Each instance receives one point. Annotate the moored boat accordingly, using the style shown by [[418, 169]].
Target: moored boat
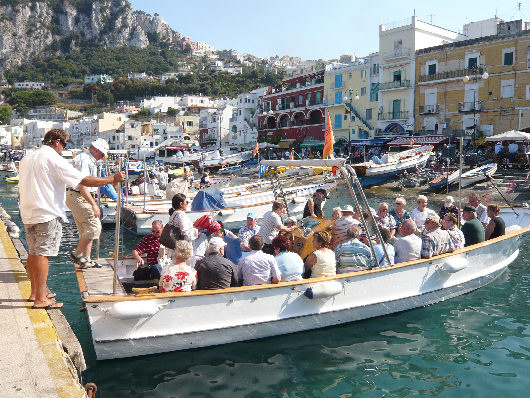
[[478, 174], [371, 173], [130, 324], [444, 179]]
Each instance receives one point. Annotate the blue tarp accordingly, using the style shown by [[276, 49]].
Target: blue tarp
[[205, 201], [250, 163], [233, 249], [108, 190]]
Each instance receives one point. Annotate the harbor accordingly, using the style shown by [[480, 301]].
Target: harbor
[[330, 344]]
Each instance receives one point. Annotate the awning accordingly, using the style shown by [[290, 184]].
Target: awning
[[422, 140], [312, 144], [287, 143], [374, 141]]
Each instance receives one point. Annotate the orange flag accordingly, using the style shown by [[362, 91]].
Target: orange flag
[[328, 139], [411, 141], [256, 148]]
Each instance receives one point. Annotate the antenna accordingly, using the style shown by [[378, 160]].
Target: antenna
[[431, 15]]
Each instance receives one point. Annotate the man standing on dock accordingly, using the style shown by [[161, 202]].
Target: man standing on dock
[[44, 176], [86, 211]]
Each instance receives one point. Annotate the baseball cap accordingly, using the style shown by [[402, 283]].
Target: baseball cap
[[347, 208], [468, 208], [449, 200], [323, 192], [216, 243], [252, 215], [101, 145]]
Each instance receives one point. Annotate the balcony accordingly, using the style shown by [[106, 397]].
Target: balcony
[[393, 115], [452, 74], [470, 107], [429, 109], [394, 84], [397, 53]]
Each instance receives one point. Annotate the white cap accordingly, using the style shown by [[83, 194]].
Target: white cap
[[347, 208], [449, 201], [101, 145], [215, 244]]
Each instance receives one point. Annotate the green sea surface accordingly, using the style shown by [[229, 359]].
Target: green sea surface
[[475, 345]]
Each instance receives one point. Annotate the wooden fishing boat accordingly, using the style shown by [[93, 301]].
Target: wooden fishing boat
[[478, 174], [441, 181], [371, 173], [125, 323]]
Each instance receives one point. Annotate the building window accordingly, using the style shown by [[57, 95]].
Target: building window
[[374, 92], [375, 69], [338, 97], [338, 121], [189, 123], [301, 99], [319, 97], [432, 67], [507, 56], [363, 90], [338, 81], [397, 76], [368, 114], [309, 99], [528, 91], [363, 73], [349, 75], [507, 88], [472, 62]]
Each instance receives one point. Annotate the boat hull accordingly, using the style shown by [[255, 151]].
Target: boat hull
[[272, 310]]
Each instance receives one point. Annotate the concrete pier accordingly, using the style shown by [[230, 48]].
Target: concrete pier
[[33, 361]]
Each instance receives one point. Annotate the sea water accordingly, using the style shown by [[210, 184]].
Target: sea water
[[475, 345]]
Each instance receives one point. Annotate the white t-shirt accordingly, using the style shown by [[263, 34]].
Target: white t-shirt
[[419, 217], [87, 165], [270, 226], [44, 176]]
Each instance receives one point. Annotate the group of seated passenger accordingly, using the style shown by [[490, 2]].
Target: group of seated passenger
[[392, 238]]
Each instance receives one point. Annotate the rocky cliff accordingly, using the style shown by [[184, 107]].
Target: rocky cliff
[[31, 28]]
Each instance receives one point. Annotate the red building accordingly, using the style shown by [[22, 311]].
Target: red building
[[294, 110]]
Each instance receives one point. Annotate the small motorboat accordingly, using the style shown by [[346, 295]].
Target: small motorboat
[[478, 174], [442, 180]]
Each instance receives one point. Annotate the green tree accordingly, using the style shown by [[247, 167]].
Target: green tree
[[171, 112], [5, 114]]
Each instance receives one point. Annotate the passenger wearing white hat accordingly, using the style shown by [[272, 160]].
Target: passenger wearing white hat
[[215, 271], [341, 226], [449, 206], [84, 209]]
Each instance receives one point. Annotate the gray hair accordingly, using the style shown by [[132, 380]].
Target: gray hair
[[158, 222], [409, 225], [354, 232], [183, 250], [422, 197], [401, 199]]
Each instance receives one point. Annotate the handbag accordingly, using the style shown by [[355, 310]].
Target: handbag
[[170, 235]]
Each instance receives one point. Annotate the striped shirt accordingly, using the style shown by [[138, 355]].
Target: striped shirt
[[270, 226], [257, 268], [341, 227], [353, 255], [435, 242]]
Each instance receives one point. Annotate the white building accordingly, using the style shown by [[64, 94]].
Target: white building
[[216, 125], [34, 131], [160, 104], [168, 131], [82, 132], [30, 85], [244, 120], [139, 76], [98, 79], [5, 136], [486, 27], [195, 103], [174, 75], [398, 42]]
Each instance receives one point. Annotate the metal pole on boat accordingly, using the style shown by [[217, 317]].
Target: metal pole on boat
[[145, 181], [460, 180], [117, 233], [126, 180], [99, 205]]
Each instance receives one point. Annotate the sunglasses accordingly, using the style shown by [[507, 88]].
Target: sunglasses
[[63, 142]]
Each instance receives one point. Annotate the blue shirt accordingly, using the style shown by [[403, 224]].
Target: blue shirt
[[291, 266], [257, 268], [380, 254]]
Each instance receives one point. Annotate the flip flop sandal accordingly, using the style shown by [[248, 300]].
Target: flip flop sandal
[[52, 306], [48, 296], [92, 264]]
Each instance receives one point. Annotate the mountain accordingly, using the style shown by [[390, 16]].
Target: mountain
[[54, 27]]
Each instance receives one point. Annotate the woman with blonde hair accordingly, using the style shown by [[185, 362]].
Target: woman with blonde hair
[[322, 261], [178, 276]]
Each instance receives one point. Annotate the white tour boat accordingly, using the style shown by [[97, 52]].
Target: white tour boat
[[126, 325]]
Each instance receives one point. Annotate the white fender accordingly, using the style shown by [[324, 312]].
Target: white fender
[[453, 265], [226, 212], [134, 309], [323, 290]]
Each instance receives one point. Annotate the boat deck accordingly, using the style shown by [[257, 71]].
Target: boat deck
[[98, 281]]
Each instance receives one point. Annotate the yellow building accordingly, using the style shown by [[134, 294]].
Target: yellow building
[[475, 87], [350, 97]]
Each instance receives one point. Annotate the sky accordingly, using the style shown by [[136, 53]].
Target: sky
[[313, 29]]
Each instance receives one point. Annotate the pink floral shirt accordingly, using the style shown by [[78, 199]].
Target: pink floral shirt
[[178, 278]]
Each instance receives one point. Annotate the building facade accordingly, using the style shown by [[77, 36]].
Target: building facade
[[475, 87], [351, 98], [398, 43], [244, 121], [294, 110]]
